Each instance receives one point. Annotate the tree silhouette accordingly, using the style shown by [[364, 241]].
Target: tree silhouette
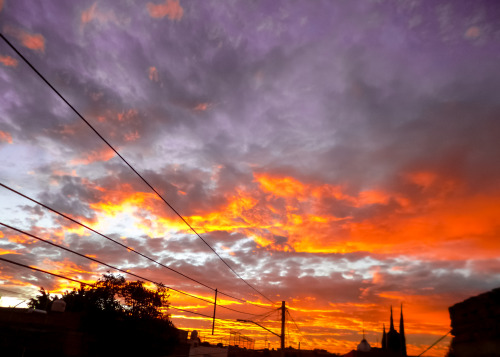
[[112, 295], [113, 309]]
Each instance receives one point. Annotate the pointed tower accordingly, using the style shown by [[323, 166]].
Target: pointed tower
[[393, 338], [402, 333], [384, 340], [392, 322]]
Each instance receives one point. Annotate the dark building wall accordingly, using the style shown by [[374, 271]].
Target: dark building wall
[[24, 332], [475, 325], [27, 333]]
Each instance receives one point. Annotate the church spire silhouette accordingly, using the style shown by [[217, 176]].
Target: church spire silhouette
[[384, 340], [402, 333], [392, 322], [393, 341]]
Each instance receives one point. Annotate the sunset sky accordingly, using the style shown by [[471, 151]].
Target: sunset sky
[[343, 156]]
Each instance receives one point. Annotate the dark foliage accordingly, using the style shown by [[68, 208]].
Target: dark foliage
[[113, 310], [112, 295]]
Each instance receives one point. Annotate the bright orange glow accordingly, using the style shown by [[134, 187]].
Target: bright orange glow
[[285, 207], [281, 186], [171, 8], [285, 214], [372, 197], [20, 238], [4, 251]]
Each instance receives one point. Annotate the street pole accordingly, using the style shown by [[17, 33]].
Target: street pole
[[215, 306], [282, 325]]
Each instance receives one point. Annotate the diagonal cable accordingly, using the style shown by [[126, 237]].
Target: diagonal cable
[[129, 165], [43, 271], [118, 269], [100, 262], [121, 244]]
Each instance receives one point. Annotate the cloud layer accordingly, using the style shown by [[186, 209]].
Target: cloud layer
[[340, 156]]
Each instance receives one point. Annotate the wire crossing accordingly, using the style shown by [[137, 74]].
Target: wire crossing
[[44, 271], [129, 165], [119, 269], [123, 245], [87, 284]]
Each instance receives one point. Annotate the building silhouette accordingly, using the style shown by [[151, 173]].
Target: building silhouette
[[393, 342], [475, 324]]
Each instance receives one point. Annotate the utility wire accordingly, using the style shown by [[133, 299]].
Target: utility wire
[[296, 326], [191, 312], [288, 312], [13, 292], [100, 262], [130, 166], [435, 343], [264, 315], [83, 283], [43, 271], [123, 245], [118, 269]]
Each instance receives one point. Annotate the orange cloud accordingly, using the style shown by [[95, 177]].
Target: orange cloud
[[281, 186], [20, 238], [34, 42], [8, 61], [104, 154], [4, 251], [373, 196], [171, 8], [124, 199], [5, 137], [283, 213]]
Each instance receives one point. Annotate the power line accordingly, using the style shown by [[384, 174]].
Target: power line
[[98, 261], [44, 271], [83, 283], [13, 292], [435, 343], [104, 236], [122, 245], [297, 327], [288, 312], [118, 269], [264, 315], [191, 312], [130, 166]]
